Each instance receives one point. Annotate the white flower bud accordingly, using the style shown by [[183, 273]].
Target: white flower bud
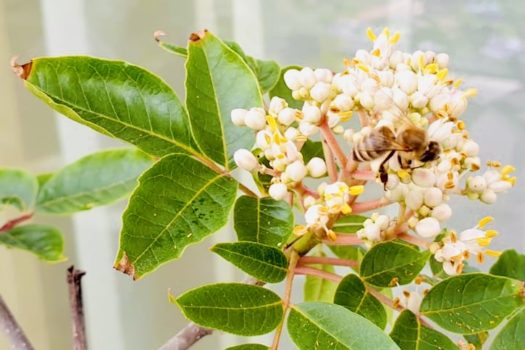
[[428, 227], [308, 201], [396, 58], [278, 191], [255, 119], [392, 182], [442, 212], [311, 114], [430, 56], [343, 102], [366, 100], [291, 133], [423, 177], [300, 94], [362, 55], [382, 221], [473, 163], [477, 183], [320, 91], [277, 104], [400, 99], [411, 301], [287, 116], [414, 199], [489, 197], [500, 186], [370, 85], [307, 77], [386, 77], [383, 99], [238, 115], [426, 83], [416, 57], [262, 139], [245, 160], [418, 100], [470, 148], [323, 74], [348, 135], [406, 81], [316, 167], [296, 171], [292, 78], [458, 105], [347, 86], [307, 129], [442, 59], [433, 197], [438, 102]]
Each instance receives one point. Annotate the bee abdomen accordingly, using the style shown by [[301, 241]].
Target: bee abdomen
[[364, 152]]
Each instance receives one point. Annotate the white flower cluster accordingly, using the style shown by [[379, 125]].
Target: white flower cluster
[[486, 187], [455, 249], [333, 201], [279, 143], [373, 227]]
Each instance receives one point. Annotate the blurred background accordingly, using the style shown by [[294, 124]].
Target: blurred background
[[483, 37]]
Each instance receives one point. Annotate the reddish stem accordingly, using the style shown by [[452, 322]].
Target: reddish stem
[[12, 223], [333, 144], [369, 205], [414, 240], [304, 190], [330, 162], [363, 118], [344, 239], [310, 271], [367, 175], [327, 261]]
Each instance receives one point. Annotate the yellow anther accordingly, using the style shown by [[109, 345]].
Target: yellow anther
[[271, 123], [484, 221], [442, 74], [370, 34], [323, 210], [421, 62], [493, 164], [491, 252], [484, 242], [346, 209], [299, 230], [267, 138], [347, 62], [280, 156], [431, 68], [331, 235], [386, 31], [328, 196], [471, 92], [357, 190], [376, 53], [507, 169], [363, 67], [491, 233], [395, 38], [345, 116], [480, 258], [460, 125], [403, 174], [457, 83], [512, 180]]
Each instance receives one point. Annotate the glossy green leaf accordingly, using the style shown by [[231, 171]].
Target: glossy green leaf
[[312, 149], [214, 73], [352, 294], [46, 242], [263, 262], [473, 302], [349, 223], [233, 307], [281, 90], [18, 188], [319, 289], [97, 179], [410, 334], [115, 98], [320, 326], [510, 264], [249, 347], [392, 261], [178, 202], [262, 220], [512, 335]]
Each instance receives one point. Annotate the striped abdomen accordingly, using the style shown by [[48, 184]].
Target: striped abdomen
[[374, 145]]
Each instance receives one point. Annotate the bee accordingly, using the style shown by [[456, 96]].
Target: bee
[[410, 142]]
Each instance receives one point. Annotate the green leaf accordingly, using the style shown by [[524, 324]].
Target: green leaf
[[262, 220], [97, 179], [233, 307], [352, 294], [410, 334], [18, 188], [249, 347], [178, 202], [512, 335], [281, 90], [115, 98], [319, 289], [472, 303], [477, 339], [217, 82], [349, 224], [46, 242], [312, 149], [263, 262], [319, 326], [392, 261], [510, 264]]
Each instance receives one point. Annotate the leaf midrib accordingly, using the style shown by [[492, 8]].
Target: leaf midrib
[[225, 308], [262, 262], [320, 327], [448, 310]]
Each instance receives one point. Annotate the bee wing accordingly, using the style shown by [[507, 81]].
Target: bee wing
[[398, 113], [379, 141]]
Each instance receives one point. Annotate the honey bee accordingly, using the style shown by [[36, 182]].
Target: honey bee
[[409, 142]]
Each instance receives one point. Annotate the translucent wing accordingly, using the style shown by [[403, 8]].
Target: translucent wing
[[392, 110]]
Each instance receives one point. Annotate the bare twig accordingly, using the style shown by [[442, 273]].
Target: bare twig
[[186, 337], [74, 277], [12, 330], [331, 141]]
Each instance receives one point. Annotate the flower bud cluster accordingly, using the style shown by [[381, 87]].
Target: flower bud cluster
[[486, 187], [454, 249], [374, 227]]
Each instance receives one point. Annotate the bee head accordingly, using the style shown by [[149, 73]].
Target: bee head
[[431, 153]]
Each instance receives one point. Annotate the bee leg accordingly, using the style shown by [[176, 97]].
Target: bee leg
[[383, 175]]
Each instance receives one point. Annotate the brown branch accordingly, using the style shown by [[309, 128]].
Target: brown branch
[[186, 337], [74, 277], [12, 330], [14, 222]]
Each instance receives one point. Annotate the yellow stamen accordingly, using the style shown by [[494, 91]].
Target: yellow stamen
[[331, 235], [480, 258], [421, 62], [395, 38], [432, 68], [494, 253], [299, 230], [271, 123], [460, 125], [512, 180], [471, 92], [484, 242], [491, 233], [347, 62], [484, 221], [346, 209], [403, 174], [370, 34], [507, 169], [386, 31], [457, 83], [442, 74], [493, 164], [357, 190], [376, 53], [363, 67]]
